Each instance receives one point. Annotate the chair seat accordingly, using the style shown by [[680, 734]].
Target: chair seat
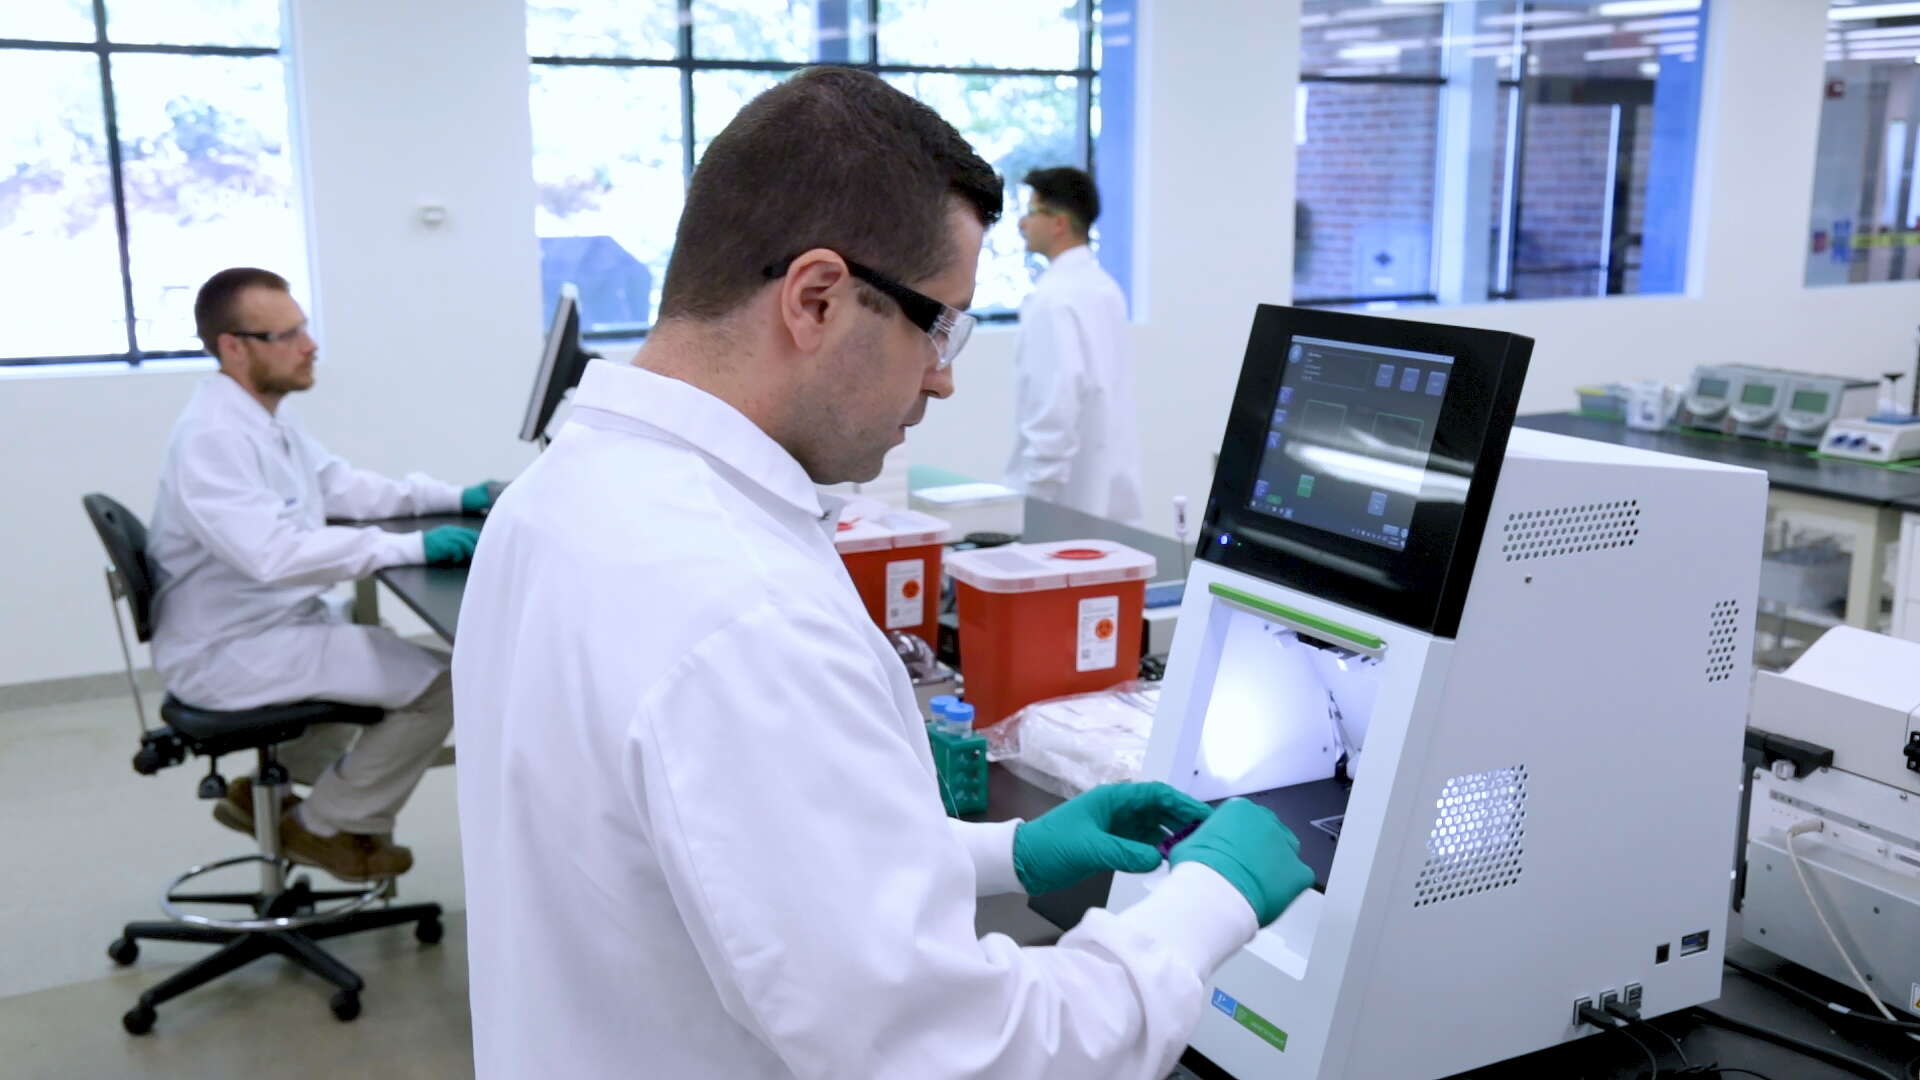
[[215, 732]]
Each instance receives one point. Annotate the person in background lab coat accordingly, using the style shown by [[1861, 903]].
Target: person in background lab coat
[[702, 830], [1076, 438], [243, 557]]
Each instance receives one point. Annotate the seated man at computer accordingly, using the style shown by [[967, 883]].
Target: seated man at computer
[[244, 558]]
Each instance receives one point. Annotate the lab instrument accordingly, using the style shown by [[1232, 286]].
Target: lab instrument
[[1833, 834], [1391, 637], [1883, 439]]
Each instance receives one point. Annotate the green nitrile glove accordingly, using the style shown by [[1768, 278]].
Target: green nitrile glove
[[480, 496], [1112, 827], [1257, 855], [450, 544]]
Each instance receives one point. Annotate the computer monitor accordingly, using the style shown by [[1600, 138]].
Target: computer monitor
[[562, 361]]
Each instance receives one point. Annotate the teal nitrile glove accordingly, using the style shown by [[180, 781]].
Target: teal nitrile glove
[[1112, 827], [480, 496], [1257, 855], [450, 544]]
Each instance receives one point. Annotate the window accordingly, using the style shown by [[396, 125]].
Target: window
[[1866, 194], [626, 96], [144, 147], [1461, 151]]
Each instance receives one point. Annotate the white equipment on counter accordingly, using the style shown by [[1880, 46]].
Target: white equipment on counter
[[1395, 600], [1815, 402], [1763, 393], [1710, 390], [1833, 851], [1652, 404], [1880, 439]]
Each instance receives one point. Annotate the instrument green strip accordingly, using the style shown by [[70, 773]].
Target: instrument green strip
[[1311, 622]]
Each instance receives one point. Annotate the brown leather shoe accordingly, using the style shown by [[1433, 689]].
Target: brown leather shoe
[[347, 856], [235, 809]]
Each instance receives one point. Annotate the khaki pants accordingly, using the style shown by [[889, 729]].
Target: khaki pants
[[363, 774]]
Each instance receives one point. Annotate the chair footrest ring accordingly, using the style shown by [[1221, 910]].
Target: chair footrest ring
[[378, 889]]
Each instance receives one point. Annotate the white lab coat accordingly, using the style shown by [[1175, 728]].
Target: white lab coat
[[243, 556], [1076, 428], [700, 819]]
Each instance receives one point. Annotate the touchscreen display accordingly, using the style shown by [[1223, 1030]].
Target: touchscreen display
[[1346, 450]]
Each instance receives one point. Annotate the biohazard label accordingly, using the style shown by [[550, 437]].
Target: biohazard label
[[906, 593], [1099, 634]]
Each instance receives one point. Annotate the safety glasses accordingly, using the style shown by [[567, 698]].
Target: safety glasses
[[948, 328]]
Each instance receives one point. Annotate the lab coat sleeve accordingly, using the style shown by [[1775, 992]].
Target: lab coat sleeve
[[990, 844], [359, 495], [806, 849], [227, 504], [1053, 371]]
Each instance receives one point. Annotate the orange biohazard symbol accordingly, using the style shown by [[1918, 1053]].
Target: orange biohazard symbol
[[910, 590], [1103, 629]]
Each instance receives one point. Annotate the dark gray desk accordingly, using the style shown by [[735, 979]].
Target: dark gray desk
[[433, 592], [1867, 499], [1049, 521]]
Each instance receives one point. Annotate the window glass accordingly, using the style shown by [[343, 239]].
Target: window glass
[[606, 208], [60, 278], [194, 22], [209, 181], [1557, 135], [1866, 183], [981, 33]]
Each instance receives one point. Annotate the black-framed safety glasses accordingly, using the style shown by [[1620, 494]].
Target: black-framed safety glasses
[[948, 328], [274, 337]]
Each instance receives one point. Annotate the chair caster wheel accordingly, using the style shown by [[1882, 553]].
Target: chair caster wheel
[[429, 931], [124, 951], [345, 1005], [138, 1021]]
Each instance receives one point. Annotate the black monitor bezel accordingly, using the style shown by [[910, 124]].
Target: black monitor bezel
[[1425, 585], [562, 363]]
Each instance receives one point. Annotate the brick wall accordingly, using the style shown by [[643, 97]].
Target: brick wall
[[1367, 165], [1366, 171]]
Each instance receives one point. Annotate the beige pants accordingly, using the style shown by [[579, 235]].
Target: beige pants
[[363, 774]]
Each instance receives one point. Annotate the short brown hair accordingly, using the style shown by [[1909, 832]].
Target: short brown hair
[[832, 158], [213, 308]]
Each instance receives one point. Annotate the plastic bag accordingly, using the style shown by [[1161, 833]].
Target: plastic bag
[[1070, 744]]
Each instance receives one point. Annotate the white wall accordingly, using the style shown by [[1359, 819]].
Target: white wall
[[429, 334]]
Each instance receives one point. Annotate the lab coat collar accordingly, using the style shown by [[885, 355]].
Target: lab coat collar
[[1071, 259], [708, 424], [233, 399]]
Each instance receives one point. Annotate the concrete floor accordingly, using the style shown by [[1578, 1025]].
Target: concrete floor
[[91, 845]]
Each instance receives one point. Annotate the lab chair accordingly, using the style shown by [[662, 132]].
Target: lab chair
[[288, 919]]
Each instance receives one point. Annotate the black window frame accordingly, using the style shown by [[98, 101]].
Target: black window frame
[[684, 62], [105, 49]]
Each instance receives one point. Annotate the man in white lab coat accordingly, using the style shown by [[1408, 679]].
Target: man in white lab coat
[[244, 558], [1076, 439], [702, 830]]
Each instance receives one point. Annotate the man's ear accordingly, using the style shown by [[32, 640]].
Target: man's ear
[[814, 293]]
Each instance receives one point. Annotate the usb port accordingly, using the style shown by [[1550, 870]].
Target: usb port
[[1693, 943]]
